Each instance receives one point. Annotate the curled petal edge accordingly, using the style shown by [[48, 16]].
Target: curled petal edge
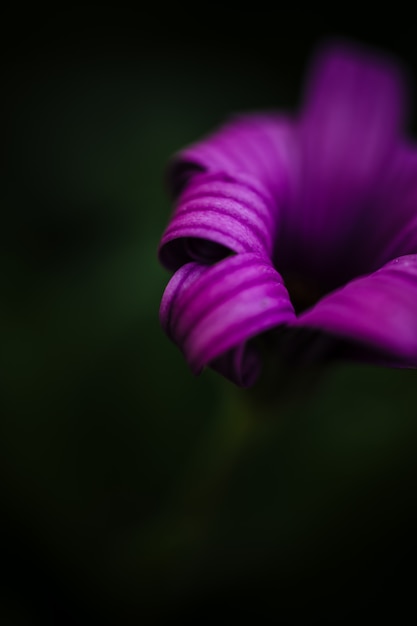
[[211, 312]]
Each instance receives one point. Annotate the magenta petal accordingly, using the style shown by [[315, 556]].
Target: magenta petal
[[210, 312], [216, 216], [350, 127], [260, 145], [241, 365], [378, 310], [232, 190], [394, 231]]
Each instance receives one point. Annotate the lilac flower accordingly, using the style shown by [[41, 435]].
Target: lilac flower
[[299, 221]]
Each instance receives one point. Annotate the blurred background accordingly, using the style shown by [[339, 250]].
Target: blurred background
[[130, 491]]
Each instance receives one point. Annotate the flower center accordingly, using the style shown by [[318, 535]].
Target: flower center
[[303, 293]]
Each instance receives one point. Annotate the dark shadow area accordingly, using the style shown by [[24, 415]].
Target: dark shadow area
[[130, 491]]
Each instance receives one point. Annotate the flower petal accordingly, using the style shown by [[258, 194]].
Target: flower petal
[[232, 189], [378, 311], [350, 125], [210, 312], [395, 218]]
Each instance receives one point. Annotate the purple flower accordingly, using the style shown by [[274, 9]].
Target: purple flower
[[299, 221]]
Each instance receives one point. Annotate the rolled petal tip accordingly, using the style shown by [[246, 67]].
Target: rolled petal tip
[[211, 311]]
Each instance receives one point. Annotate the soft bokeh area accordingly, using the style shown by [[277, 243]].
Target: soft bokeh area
[[131, 491]]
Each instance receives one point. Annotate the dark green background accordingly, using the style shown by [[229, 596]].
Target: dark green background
[[132, 492]]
